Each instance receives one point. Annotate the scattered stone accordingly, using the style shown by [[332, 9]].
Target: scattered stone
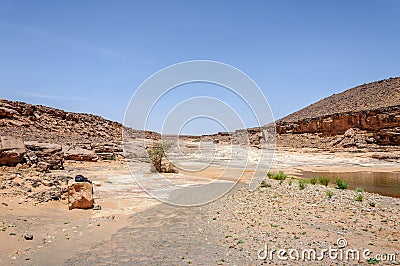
[[28, 236], [80, 196], [43, 166], [26, 189], [97, 207]]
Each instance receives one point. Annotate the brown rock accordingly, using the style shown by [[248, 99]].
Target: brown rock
[[79, 154], [7, 112], [80, 196], [12, 150], [51, 154]]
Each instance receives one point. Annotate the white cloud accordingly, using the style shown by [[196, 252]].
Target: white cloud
[[44, 96]]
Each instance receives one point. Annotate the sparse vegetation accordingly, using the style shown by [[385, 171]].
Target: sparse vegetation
[[264, 184], [372, 204], [359, 197], [329, 194], [341, 184], [302, 184], [324, 180], [277, 176], [157, 153], [313, 180], [112, 157], [372, 261], [359, 189]]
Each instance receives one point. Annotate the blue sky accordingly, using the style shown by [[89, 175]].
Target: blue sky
[[90, 56]]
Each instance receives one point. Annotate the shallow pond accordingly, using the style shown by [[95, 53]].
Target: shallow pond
[[383, 183]]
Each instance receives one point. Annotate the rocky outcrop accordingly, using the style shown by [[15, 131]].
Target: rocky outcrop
[[79, 154], [50, 125], [389, 136], [12, 150], [370, 111], [373, 120], [46, 155], [7, 112], [80, 195]]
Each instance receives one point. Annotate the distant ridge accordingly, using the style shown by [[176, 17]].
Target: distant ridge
[[374, 95]]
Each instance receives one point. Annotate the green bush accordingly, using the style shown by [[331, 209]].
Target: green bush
[[372, 204], [359, 197], [359, 189], [341, 184], [324, 180], [329, 194], [277, 176], [302, 185], [313, 180]]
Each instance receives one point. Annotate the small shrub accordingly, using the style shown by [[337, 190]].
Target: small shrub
[[329, 194], [277, 176], [324, 181], [290, 181], [112, 157], [372, 261], [313, 180], [302, 185], [359, 189], [341, 184], [372, 204], [157, 153], [265, 184], [359, 197]]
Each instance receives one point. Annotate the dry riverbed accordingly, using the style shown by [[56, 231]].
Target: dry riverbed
[[133, 227]]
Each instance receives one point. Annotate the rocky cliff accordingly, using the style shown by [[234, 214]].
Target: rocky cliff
[[371, 111]]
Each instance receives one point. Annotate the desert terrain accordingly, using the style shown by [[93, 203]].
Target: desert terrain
[[43, 149]]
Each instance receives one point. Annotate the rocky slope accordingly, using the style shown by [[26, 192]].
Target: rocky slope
[[36, 141], [38, 134], [371, 96], [364, 116]]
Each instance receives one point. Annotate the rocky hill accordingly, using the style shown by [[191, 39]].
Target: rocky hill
[[371, 96], [36, 134], [363, 116]]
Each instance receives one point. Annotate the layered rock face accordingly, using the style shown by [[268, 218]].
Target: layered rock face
[[364, 116], [382, 122], [372, 109]]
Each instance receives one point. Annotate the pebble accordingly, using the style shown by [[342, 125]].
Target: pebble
[[28, 236]]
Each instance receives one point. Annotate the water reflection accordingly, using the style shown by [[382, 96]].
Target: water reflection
[[383, 183]]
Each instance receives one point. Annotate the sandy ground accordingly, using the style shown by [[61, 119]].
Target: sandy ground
[[134, 227]]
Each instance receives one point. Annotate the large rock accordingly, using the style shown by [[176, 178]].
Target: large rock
[[79, 154], [12, 150], [80, 195], [7, 112], [51, 154], [389, 136]]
